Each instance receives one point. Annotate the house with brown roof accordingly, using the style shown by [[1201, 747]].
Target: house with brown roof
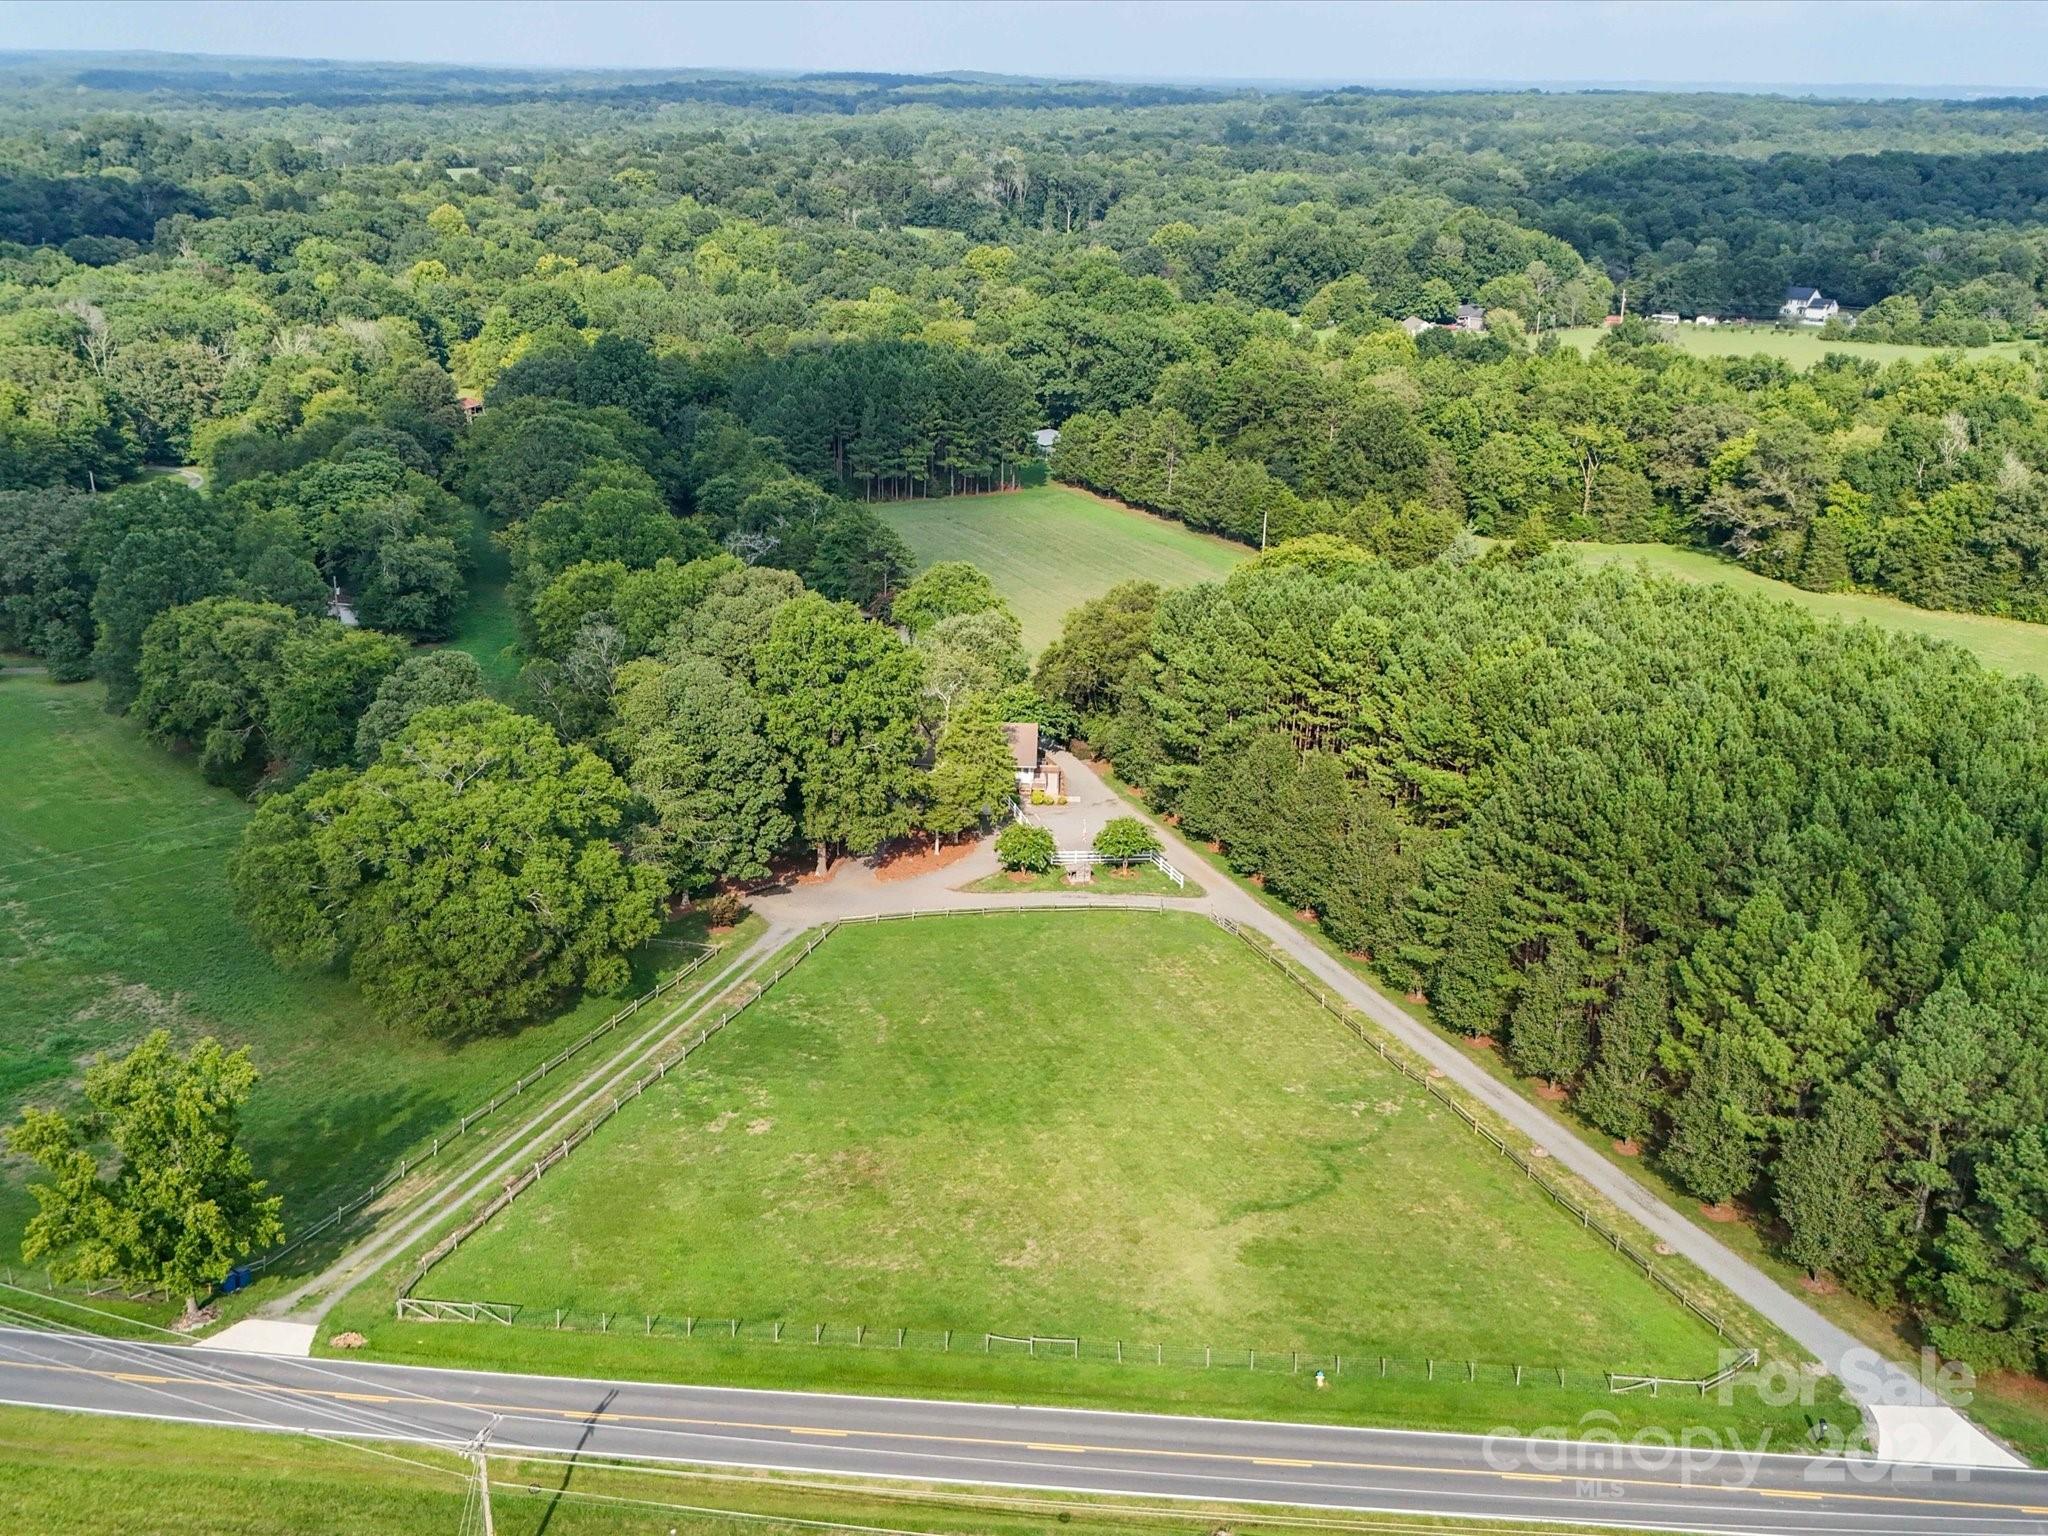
[[1034, 773]]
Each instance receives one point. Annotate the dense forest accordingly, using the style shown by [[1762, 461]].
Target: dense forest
[[888, 284], [1765, 898]]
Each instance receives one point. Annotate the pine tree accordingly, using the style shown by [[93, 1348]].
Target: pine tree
[[1620, 1093], [1306, 831], [1548, 1036], [1472, 980], [1824, 563], [1823, 1181], [1716, 1136]]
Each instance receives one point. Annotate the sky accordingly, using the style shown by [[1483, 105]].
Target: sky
[[1917, 45]]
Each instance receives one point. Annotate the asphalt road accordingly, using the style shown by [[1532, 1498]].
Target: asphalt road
[[1152, 1456]]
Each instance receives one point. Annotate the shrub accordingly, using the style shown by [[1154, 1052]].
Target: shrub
[[1125, 838], [725, 909], [1022, 846]]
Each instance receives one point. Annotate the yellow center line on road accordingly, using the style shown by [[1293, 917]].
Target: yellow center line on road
[[592, 1415]]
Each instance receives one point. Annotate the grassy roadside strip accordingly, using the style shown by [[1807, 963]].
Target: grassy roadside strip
[[2015, 1409], [77, 1475]]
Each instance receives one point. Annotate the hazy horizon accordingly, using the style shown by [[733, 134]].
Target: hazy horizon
[[1851, 47]]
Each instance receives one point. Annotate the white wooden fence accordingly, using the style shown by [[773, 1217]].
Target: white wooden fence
[[1086, 857]]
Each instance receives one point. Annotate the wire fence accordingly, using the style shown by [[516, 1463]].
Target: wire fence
[[411, 1164], [1337, 1365], [1370, 1037], [100, 1290]]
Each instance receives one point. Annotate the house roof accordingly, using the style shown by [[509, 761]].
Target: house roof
[[1798, 295], [1023, 738], [1471, 311], [1045, 437], [1415, 325]]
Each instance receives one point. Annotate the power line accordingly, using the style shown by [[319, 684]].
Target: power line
[[395, 1430]]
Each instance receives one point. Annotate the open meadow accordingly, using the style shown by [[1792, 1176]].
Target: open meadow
[[1051, 547], [1801, 348], [2003, 645], [1078, 1124], [115, 919]]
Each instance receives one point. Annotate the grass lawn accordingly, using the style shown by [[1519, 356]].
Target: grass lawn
[[485, 625], [1141, 880], [1100, 1124], [1052, 547], [2004, 645], [76, 1475], [1802, 348], [114, 918]]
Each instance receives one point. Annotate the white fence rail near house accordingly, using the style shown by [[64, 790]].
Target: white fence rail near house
[[1089, 856]]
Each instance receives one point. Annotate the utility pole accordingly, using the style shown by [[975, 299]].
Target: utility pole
[[479, 1456]]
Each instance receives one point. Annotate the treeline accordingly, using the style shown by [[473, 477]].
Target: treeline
[[893, 418], [1920, 480], [1707, 232], [1766, 897]]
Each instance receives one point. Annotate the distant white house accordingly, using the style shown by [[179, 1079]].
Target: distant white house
[[1471, 317], [1415, 325], [1047, 438], [1808, 306], [1667, 317], [1704, 320], [342, 608]]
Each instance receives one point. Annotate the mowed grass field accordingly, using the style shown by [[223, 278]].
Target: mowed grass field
[[1050, 548], [115, 919], [1110, 1125], [1801, 348], [2004, 645]]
